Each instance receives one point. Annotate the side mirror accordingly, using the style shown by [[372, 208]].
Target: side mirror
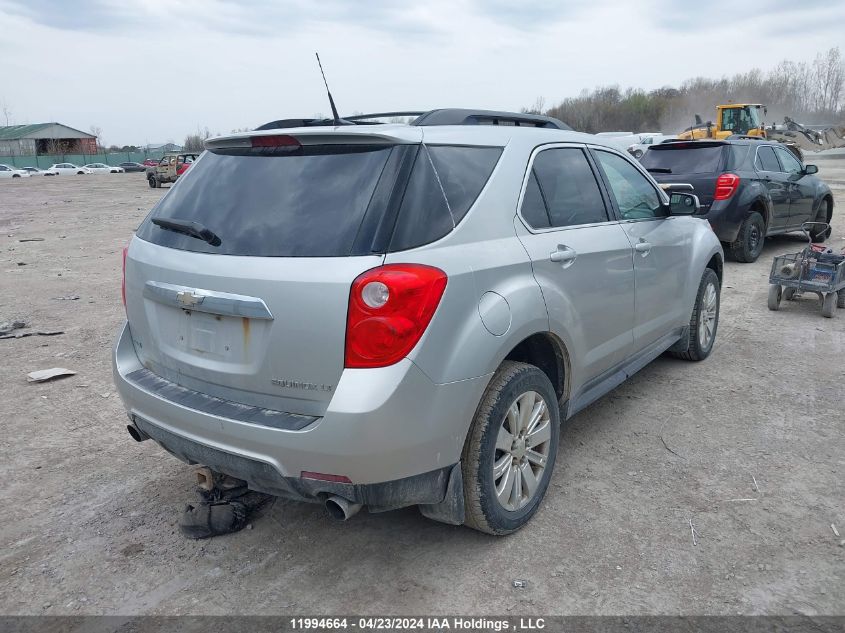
[[683, 203], [810, 169]]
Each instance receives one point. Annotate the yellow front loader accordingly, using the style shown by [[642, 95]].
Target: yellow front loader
[[733, 118]]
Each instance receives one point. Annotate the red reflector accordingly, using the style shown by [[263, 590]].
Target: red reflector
[[123, 282], [726, 186], [341, 479], [276, 140], [390, 308]]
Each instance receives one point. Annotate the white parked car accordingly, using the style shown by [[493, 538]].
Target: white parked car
[[12, 172], [102, 168], [64, 169], [647, 140], [34, 171]]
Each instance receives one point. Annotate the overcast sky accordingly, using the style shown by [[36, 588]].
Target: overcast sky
[[154, 70]]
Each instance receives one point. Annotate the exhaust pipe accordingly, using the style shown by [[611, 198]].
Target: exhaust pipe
[[137, 434], [341, 509]]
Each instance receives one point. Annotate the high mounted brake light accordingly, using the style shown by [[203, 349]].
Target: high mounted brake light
[[726, 186], [390, 308], [280, 140]]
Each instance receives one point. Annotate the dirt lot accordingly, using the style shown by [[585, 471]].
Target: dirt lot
[[89, 516]]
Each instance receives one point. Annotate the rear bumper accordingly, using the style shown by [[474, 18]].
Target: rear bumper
[[382, 425], [726, 216]]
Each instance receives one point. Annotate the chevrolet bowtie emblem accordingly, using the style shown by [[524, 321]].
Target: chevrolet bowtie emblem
[[188, 299]]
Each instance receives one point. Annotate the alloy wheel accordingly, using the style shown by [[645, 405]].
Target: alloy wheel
[[522, 451]]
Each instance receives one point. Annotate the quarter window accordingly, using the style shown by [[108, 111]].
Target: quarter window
[[562, 191], [635, 196]]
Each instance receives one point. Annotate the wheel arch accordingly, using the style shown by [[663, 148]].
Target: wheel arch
[[548, 353]]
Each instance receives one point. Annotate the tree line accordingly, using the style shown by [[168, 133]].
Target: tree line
[[811, 93]]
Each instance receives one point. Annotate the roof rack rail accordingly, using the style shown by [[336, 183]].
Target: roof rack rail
[[463, 116], [744, 137], [380, 115], [443, 116]]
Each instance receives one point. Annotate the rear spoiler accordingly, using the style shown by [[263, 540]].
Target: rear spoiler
[[352, 135]]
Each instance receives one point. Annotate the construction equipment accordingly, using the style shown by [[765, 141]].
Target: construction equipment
[[743, 119]]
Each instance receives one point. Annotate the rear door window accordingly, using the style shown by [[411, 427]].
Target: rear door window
[[766, 160], [683, 160], [307, 204], [567, 187]]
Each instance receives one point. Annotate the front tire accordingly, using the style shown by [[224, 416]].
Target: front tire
[[829, 304], [152, 182], [510, 450], [749, 242], [775, 296], [638, 154], [704, 320]]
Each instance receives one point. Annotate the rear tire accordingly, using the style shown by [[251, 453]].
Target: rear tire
[[704, 320], [775, 295], [510, 450], [788, 294], [829, 305], [823, 215], [840, 302], [750, 239]]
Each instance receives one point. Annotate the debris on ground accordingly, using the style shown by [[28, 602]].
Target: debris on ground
[[43, 375], [38, 333], [694, 532], [225, 506], [67, 298], [835, 531], [520, 584], [32, 239], [8, 326]]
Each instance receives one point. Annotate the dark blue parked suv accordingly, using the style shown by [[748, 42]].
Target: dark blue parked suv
[[748, 189]]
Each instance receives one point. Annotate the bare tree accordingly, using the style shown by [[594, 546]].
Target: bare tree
[[196, 142], [7, 111]]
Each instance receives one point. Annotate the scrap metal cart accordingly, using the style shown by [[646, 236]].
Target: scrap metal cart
[[813, 269]]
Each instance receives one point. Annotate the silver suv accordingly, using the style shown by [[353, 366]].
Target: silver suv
[[389, 315]]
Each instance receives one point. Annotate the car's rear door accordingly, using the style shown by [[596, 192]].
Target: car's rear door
[[257, 313], [581, 258], [661, 243], [769, 170]]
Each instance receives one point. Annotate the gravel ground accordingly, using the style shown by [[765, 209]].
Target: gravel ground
[[90, 517]]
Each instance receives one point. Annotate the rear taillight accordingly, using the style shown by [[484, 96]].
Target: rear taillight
[[389, 309], [726, 186], [123, 281]]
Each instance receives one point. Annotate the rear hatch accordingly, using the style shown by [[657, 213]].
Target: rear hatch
[[237, 284], [697, 163]]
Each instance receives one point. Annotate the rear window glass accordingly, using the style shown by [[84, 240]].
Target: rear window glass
[[273, 205], [688, 160], [444, 184]]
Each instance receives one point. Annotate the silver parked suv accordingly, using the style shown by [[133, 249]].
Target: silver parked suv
[[388, 315]]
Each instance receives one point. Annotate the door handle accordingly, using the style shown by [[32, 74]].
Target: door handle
[[563, 255], [643, 247]]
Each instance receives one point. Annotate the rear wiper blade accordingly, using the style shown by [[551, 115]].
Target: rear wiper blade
[[659, 170], [187, 227]]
